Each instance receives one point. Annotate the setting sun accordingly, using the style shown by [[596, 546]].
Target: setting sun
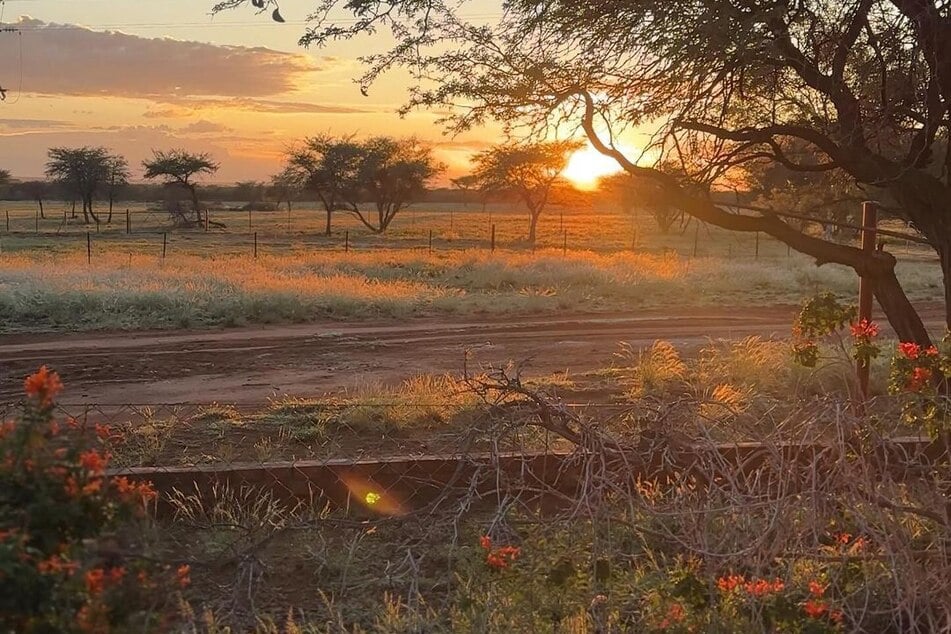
[[586, 166]]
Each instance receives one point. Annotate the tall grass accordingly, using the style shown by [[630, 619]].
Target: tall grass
[[118, 290]]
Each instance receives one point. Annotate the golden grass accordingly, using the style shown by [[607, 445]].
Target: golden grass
[[61, 291]]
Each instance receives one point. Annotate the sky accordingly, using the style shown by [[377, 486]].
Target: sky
[[135, 76]]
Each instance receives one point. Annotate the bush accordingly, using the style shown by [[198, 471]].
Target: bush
[[64, 564]]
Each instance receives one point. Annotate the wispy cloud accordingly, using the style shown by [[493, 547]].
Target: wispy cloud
[[74, 60]]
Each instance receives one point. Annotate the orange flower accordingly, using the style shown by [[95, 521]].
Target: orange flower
[[730, 583], [500, 558], [43, 385], [93, 461], [486, 542], [931, 352], [104, 432], [184, 580], [816, 589], [116, 574], [843, 538], [815, 609], [95, 580], [762, 587]]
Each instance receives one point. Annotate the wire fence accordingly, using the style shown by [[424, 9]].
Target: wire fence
[[507, 509], [149, 231]]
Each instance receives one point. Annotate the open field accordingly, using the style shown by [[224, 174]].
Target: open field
[[49, 282]]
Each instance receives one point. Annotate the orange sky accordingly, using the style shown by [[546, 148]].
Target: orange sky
[[134, 75]]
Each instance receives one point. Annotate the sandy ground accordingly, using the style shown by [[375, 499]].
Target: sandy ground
[[249, 365]]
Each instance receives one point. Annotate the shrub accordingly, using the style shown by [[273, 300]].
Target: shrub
[[63, 562]]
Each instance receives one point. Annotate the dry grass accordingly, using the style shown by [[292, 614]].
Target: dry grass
[[62, 292]]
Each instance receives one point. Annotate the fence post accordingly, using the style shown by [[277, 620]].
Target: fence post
[[493, 238], [255, 245], [430, 241], [8, 220], [564, 244], [207, 218], [164, 244], [36, 220], [128, 222], [869, 226], [250, 228], [756, 253], [346, 241], [88, 248]]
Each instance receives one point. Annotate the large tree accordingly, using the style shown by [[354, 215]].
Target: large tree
[[530, 171], [82, 172], [328, 166], [865, 83], [182, 169], [393, 174]]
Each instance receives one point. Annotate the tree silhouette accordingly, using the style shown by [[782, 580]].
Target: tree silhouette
[[865, 83], [530, 171], [329, 167], [181, 168], [81, 171], [393, 173]]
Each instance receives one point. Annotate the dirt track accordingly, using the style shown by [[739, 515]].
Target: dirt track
[[249, 365]]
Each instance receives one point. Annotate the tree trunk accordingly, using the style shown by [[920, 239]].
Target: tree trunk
[[194, 192], [39, 201], [92, 213], [899, 311], [944, 257], [109, 218], [85, 212], [329, 216], [532, 226]]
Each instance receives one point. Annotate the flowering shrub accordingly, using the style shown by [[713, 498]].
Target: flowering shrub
[[915, 374], [62, 566]]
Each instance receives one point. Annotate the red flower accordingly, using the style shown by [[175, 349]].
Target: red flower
[[184, 580], [762, 587], [931, 352], [815, 609], [816, 589], [920, 377], [730, 583], [909, 349], [865, 329], [501, 558], [675, 614], [486, 542], [43, 385], [95, 580]]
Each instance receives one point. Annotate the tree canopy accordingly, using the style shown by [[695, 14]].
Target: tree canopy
[[865, 84], [529, 170], [182, 168], [82, 172]]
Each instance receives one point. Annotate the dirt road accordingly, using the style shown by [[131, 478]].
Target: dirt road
[[248, 365]]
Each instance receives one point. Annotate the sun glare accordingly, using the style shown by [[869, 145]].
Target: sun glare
[[587, 165]]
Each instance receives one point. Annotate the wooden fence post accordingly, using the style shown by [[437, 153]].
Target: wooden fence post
[[36, 220], [430, 241], [493, 238], [164, 244], [756, 253], [88, 248], [128, 222], [255, 245]]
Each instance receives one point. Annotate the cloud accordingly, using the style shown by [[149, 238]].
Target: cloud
[[73, 60], [203, 126], [34, 124]]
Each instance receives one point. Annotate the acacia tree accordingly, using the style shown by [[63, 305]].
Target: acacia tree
[[865, 83], [329, 166], [393, 173], [642, 193], [181, 168], [4, 180], [529, 170], [81, 171]]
